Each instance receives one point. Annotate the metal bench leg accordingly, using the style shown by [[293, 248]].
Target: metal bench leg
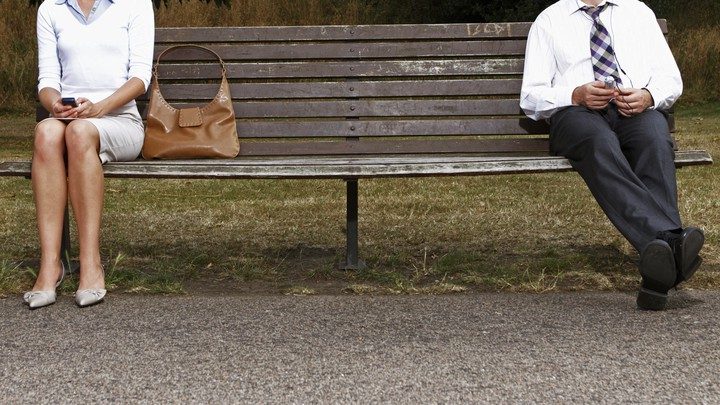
[[65, 243], [352, 262]]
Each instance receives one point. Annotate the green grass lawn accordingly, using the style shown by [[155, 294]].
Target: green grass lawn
[[540, 232]]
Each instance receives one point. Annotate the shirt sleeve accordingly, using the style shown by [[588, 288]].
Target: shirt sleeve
[[141, 41], [538, 98], [48, 63], [665, 83]]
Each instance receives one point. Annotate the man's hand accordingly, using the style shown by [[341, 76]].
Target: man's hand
[[633, 101], [593, 95]]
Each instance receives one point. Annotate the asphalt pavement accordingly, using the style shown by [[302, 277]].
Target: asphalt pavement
[[500, 347]]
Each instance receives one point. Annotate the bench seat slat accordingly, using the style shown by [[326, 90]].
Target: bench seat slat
[[428, 68], [363, 167]]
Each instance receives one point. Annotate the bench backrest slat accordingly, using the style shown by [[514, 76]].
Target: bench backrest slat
[[347, 69], [347, 89], [348, 32], [389, 128], [369, 147], [358, 50], [370, 108]]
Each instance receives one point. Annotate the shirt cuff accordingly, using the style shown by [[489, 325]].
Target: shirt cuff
[[145, 80], [656, 95], [563, 96]]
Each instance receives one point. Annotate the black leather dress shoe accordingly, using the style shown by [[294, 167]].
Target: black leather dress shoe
[[657, 268], [686, 247], [687, 256]]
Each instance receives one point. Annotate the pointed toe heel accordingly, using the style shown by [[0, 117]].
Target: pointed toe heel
[[39, 299], [86, 298]]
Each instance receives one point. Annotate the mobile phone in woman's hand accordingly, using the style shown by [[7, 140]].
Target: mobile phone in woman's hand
[[69, 101]]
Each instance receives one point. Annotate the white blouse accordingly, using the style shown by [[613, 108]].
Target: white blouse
[[93, 57]]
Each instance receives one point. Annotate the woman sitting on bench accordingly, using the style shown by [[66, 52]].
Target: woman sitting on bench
[[94, 59]]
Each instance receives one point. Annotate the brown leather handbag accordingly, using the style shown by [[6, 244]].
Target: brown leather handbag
[[198, 132]]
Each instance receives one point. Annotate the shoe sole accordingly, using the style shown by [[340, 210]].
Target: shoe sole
[[657, 268]]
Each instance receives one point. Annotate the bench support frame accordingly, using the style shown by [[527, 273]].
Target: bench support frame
[[351, 252], [352, 261], [65, 242]]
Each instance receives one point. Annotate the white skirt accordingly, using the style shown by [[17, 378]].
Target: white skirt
[[121, 134]]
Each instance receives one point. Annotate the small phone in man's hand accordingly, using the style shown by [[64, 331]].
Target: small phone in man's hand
[[69, 101], [610, 83]]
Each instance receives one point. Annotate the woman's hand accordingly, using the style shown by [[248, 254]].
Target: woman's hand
[[88, 109], [59, 110]]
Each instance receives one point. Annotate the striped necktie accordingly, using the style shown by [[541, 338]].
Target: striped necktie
[[601, 51]]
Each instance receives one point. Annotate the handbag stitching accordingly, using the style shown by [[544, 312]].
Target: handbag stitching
[[215, 99]]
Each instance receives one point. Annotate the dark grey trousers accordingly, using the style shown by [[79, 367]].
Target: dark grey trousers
[[627, 163]]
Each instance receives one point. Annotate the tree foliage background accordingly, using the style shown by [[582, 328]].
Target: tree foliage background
[[694, 30], [706, 12]]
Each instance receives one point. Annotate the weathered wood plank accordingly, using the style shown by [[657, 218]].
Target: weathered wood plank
[[405, 147], [237, 169], [342, 32], [337, 160], [367, 108], [347, 32], [343, 171], [357, 50], [416, 127], [408, 68], [345, 89]]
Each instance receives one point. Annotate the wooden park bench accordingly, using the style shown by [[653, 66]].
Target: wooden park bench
[[354, 102]]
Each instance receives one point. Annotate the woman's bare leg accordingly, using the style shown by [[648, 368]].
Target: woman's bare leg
[[49, 184], [86, 187]]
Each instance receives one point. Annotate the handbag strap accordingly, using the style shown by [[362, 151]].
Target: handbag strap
[[175, 47]]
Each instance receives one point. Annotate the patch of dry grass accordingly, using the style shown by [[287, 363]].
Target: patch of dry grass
[[18, 55], [697, 50], [183, 13], [537, 233]]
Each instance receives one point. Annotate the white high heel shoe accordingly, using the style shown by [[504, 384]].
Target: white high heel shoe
[[90, 296], [39, 299]]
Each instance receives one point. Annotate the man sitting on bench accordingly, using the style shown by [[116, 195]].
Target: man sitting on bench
[[602, 74]]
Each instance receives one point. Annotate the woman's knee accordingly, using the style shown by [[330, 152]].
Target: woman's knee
[[81, 137], [49, 139]]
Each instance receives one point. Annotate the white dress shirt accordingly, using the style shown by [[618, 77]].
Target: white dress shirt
[[93, 57], [557, 58]]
